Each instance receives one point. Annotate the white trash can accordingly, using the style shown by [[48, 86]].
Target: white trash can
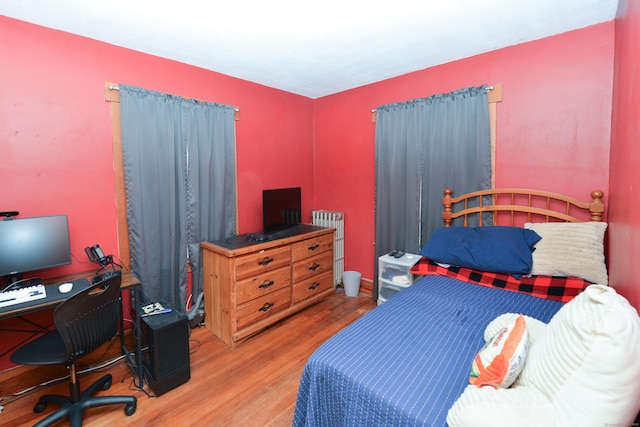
[[351, 282]]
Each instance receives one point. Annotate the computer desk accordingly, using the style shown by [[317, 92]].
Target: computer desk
[[82, 281]]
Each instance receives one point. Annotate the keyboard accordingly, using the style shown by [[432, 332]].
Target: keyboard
[[26, 294]]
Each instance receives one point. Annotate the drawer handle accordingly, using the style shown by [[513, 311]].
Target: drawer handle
[[314, 286], [265, 285], [266, 261], [266, 306], [314, 267], [314, 247]]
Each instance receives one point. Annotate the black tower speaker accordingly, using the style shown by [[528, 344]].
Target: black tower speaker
[[165, 355]]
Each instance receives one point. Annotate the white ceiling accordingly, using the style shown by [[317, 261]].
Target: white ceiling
[[313, 48]]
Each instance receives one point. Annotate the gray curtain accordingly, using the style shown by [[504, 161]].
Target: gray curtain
[[179, 167], [422, 147]]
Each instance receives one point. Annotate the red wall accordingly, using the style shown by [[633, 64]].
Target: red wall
[[624, 220], [55, 130], [553, 125]]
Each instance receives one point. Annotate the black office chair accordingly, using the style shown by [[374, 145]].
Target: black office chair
[[83, 323]]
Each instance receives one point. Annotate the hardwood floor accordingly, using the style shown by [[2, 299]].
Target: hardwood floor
[[254, 384]]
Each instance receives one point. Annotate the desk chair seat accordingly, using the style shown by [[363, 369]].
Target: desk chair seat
[[83, 323]]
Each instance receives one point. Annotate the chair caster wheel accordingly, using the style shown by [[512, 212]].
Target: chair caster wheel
[[130, 410], [107, 384], [40, 406]]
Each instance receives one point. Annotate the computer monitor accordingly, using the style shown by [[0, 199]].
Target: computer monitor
[[32, 244]]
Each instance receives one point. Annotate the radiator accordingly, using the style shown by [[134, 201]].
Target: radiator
[[335, 220]]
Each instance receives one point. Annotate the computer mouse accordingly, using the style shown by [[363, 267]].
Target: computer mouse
[[65, 287]]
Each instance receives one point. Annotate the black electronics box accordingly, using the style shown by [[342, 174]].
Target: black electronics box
[[165, 351]]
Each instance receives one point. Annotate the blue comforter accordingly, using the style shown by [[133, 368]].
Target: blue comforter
[[407, 361]]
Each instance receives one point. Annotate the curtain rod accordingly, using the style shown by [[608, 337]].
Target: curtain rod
[[488, 89], [112, 87]]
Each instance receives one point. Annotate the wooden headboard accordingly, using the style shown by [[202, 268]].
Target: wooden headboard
[[514, 206]]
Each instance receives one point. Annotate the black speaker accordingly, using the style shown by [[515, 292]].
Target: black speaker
[[165, 351]]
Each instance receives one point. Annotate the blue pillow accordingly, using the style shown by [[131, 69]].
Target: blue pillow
[[499, 249]]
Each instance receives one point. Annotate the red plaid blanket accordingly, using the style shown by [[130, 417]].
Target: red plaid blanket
[[548, 287]]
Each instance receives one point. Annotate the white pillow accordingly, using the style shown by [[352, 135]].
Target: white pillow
[[570, 249], [501, 407], [587, 362], [582, 371]]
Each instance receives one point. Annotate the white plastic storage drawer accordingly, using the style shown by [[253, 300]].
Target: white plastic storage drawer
[[387, 290], [396, 270], [394, 274]]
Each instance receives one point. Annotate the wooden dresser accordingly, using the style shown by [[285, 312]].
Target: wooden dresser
[[249, 285]]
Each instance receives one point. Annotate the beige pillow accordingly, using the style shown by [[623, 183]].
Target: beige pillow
[[570, 249]]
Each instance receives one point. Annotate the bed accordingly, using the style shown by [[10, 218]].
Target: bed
[[407, 362]]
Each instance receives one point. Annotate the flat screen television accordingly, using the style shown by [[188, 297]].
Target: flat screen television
[[281, 208], [31, 244]]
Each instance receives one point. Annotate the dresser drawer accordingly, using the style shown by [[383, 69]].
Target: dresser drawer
[[313, 266], [312, 286], [310, 247], [256, 263], [249, 286], [262, 307], [262, 284]]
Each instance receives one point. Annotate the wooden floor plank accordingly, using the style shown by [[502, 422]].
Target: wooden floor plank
[[253, 384]]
